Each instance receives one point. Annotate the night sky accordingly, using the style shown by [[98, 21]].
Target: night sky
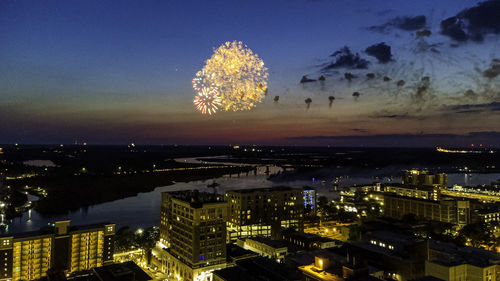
[[111, 72]]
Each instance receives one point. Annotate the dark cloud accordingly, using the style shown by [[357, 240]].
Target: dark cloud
[[494, 69], [473, 23], [345, 58], [381, 51], [389, 115], [359, 130], [475, 108], [403, 23]]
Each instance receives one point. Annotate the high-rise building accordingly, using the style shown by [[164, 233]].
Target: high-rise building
[[192, 233], [29, 255], [264, 211], [424, 177]]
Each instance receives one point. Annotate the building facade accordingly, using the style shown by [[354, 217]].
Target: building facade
[[192, 235], [264, 211], [452, 263], [424, 177], [28, 256]]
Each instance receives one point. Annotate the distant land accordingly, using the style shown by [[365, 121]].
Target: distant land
[[67, 178]]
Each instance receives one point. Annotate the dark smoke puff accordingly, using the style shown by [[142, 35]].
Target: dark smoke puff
[[381, 51], [349, 76], [344, 58], [424, 33], [306, 80]]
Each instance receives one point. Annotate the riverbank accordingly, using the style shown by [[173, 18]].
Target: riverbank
[[71, 193]]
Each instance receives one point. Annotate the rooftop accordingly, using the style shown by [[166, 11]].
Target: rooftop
[[235, 252], [195, 198], [449, 254], [49, 230], [409, 186], [272, 243], [264, 189], [121, 271], [394, 238]]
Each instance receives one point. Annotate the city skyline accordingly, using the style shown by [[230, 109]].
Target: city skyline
[[109, 73]]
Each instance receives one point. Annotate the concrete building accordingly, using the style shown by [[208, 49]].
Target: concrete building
[[65, 248], [264, 212], [273, 249], [192, 235], [399, 257], [258, 269], [396, 206], [451, 263], [127, 271], [309, 241], [329, 266], [415, 191], [424, 177]]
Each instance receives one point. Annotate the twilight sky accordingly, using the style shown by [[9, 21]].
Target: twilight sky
[[116, 71]]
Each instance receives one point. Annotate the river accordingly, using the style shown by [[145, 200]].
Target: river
[[143, 210]]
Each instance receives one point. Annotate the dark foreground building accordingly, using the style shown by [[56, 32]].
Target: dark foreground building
[[127, 271]]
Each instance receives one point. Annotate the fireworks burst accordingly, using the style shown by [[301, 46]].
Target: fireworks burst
[[238, 74], [207, 100], [202, 79]]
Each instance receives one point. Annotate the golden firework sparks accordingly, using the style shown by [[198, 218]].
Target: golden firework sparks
[[238, 74]]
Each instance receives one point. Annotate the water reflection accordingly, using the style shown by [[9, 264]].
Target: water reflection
[[143, 210]]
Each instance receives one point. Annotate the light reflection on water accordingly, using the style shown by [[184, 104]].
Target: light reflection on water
[[143, 210]]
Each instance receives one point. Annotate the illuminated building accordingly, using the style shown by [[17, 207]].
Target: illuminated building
[[273, 249], [423, 177], [488, 215], [264, 211], [309, 199], [398, 257], [451, 263], [193, 225], [415, 191], [309, 241], [420, 195], [445, 210], [29, 255], [329, 266]]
